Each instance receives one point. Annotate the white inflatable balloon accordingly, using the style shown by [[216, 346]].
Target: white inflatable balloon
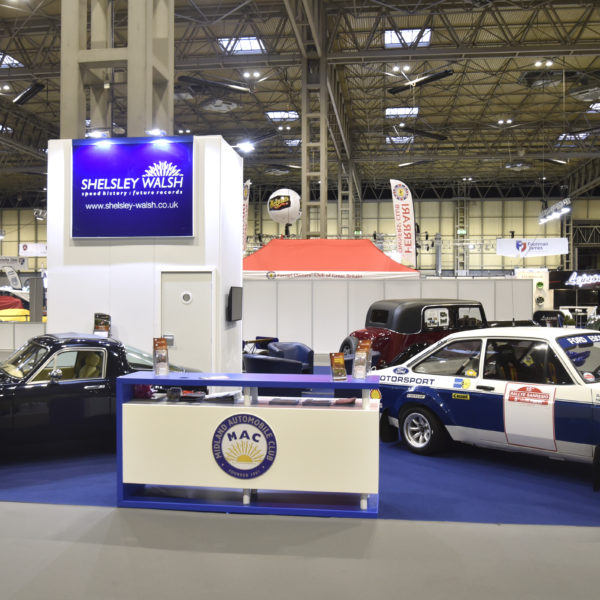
[[284, 206]]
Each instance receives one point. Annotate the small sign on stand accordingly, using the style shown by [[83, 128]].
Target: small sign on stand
[[101, 324]]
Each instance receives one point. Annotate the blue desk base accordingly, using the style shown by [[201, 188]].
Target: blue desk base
[[263, 502]]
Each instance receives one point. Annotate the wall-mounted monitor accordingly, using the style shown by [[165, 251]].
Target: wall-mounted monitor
[[234, 304]]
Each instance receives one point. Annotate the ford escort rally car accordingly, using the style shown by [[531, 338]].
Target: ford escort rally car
[[530, 389]]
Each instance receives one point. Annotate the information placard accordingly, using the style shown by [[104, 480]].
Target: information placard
[[133, 187]]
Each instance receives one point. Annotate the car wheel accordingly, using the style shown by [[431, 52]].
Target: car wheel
[[387, 432], [422, 431], [349, 345]]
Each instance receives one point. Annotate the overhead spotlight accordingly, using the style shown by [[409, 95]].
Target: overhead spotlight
[[26, 95], [555, 211], [246, 146], [156, 132]]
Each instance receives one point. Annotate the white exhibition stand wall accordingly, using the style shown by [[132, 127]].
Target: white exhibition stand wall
[[322, 313], [121, 276]]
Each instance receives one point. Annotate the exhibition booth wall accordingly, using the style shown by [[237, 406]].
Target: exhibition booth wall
[[321, 312], [153, 277]]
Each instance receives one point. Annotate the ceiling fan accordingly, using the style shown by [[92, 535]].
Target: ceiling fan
[[422, 132], [419, 81], [201, 85]]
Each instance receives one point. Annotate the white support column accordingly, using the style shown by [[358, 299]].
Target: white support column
[[72, 92], [148, 60], [100, 38]]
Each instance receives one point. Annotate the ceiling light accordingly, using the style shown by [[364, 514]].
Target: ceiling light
[[538, 63], [406, 68], [246, 74], [549, 63], [406, 164], [395, 68], [2, 234], [156, 132], [98, 133], [500, 122], [246, 146], [6, 87], [555, 211], [509, 121], [40, 214], [256, 74]]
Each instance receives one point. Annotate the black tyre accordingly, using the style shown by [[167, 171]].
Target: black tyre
[[422, 431], [349, 345], [387, 432]]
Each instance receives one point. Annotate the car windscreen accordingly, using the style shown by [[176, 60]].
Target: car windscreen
[[142, 361], [24, 360], [584, 353]]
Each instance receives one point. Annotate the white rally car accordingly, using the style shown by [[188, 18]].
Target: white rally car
[[532, 389]]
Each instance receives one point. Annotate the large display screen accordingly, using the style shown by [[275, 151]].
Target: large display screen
[[133, 187]]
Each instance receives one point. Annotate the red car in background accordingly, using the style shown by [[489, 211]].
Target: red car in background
[[398, 329]]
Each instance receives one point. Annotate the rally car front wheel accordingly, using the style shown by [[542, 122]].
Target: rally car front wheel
[[422, 431]]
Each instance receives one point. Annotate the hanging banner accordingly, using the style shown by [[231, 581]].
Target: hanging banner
[[521, 248], [33, 249], [245, 207], [404, 219]]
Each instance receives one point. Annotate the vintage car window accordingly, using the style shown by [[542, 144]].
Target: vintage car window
[[73, 364], [583, 351], [436, 318], [379, 316], [457, 358], [469, 317], [24, 360], [528, 361]]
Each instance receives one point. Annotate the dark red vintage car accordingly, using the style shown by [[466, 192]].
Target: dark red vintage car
[[398, 329]]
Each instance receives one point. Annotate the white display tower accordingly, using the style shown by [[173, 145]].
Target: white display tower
[[154, 286]]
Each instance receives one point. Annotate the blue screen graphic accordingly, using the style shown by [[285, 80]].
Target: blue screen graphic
[[133, 187]]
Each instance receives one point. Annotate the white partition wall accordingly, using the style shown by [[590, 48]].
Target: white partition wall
[[321, 313], [121, 276]]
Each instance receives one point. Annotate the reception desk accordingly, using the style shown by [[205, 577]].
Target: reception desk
[[309, 455]]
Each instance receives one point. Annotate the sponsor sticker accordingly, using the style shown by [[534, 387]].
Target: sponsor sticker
[[461, 383], [400, 370], [375, 395], [471, 373], [406, 379], [529, 394], [417, 396], [589, 377], [457, 396]]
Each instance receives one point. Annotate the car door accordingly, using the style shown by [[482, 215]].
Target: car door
[[65, 398], [542, 407], [464, 409]]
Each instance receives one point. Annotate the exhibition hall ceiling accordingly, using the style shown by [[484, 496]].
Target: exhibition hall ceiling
[[475, 97]]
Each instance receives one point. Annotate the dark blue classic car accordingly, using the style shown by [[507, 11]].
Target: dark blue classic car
[[62, 387]]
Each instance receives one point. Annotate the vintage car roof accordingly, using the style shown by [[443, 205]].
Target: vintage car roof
[[413, 302], [542, 333], [76, 337]]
